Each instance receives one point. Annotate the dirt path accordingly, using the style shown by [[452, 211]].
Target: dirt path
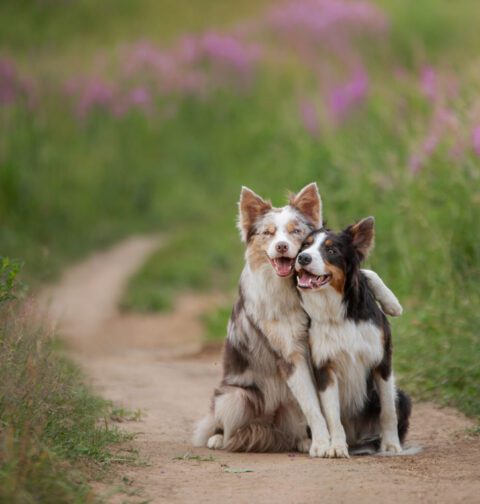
[[152, 363]]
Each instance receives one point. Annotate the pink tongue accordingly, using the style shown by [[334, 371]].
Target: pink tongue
[[283, 266], [305, 280]]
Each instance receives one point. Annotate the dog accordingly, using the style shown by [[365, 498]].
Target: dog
[[351, 343], [267, 396]]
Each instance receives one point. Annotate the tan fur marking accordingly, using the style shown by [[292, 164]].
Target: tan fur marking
[[338, 277], [252, 206], [292, 225], [257, 253], [328, 243]]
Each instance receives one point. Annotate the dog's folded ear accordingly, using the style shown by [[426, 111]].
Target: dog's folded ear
[[363, 236], [251, 206], [308, 202]]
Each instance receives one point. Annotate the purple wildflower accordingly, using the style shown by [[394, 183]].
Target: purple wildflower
[[92, 93], [8, 82], [144, 56], [227, 50], [320, 19], [14, 87], [430, 144], [140, 97], [415, 163], [429, 82], [348, 96]]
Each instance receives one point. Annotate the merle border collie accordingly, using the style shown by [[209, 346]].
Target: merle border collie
[[267, 396], [351, 342]]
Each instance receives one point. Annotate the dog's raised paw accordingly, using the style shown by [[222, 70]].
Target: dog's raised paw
[[319, 449], [392, 308], [215, 442], [338, 450]]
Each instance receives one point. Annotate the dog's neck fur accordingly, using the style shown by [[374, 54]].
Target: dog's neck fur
[[329, 305], [324, 306], [268, 296]]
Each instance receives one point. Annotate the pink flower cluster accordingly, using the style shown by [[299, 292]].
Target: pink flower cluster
[[95, 93], [447, 125], [347, 96], [13, 86], [315, 21], [194, 66], [197, 65]]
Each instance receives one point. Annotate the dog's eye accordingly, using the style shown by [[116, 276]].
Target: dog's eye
[[267, 233], [296, 231], [331, 251]]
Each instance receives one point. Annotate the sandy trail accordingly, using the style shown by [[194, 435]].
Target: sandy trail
[[152, 363]]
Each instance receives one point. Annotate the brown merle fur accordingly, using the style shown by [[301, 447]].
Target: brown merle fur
[[258, 359]]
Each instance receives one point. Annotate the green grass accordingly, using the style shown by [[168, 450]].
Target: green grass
[[55, 435], [68, 187]]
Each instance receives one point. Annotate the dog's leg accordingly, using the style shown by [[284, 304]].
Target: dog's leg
[[300, 381], [388, 414], [387, 299], [330, 401]]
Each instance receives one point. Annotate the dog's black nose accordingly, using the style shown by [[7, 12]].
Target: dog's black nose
[[281, 247], [304, 259]]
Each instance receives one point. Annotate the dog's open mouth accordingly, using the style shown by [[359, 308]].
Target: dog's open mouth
[[306, 280], [283, 266]]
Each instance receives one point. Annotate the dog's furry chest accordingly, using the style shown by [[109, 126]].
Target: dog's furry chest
[[274, 305], [353, 349]]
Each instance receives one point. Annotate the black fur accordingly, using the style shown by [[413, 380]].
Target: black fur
[[339, 250], [346, 251]]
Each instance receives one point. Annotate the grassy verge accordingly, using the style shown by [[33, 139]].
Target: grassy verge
[[55, 435]]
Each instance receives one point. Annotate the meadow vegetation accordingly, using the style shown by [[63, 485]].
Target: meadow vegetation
[[55, 435], [159, 135]]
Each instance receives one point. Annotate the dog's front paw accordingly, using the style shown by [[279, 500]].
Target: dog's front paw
[[319, 448], [338, 450], [392, 307], [303, 446], [390, 445], [215, 442]]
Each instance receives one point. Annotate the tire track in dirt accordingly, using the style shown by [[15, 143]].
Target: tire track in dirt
[[152, 363]]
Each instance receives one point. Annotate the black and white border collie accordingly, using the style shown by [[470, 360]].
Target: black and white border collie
[[351, 342], [267, 395]]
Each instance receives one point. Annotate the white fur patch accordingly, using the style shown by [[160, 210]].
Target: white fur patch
[[281, 221], [317, 266], [354, 347], [387, 299]]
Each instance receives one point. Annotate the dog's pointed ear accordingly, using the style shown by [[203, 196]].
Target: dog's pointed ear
[[309, 203], [363, 236], [251, 206]]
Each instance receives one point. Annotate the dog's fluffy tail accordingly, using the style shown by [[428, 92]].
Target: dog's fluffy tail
[[260, 437], [203, 430]]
